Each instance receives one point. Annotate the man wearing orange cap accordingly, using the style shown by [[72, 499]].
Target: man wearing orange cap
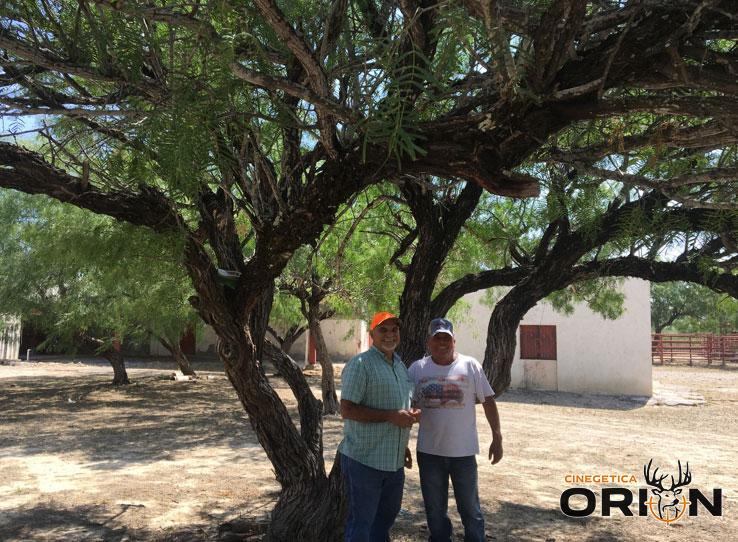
[[376, 392]]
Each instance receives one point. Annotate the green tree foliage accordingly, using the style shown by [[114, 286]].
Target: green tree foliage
[[690, 308], [73, 274]]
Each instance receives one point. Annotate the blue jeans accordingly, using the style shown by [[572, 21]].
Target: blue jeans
[[435, 471], [374, 498]]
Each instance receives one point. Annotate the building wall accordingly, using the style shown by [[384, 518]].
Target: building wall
[[594, 355], [343, 338], [10, 337]]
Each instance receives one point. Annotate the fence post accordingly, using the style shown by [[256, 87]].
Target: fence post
[[708, 338]]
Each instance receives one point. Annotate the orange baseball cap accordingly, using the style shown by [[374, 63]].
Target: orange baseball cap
[[380, 317]]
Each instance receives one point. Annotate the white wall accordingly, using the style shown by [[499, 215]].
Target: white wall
[[343, 338], [594, 355], [10, 337]]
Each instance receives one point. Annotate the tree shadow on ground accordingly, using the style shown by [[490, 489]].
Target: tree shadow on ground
[[575, 400], [510, 522], [49, 522], [146, 421], [522, 523]]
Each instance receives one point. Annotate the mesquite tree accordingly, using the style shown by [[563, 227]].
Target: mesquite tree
[[241, 129], [588, 231]]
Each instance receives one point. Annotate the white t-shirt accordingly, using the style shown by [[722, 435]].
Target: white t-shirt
[[447, 395]]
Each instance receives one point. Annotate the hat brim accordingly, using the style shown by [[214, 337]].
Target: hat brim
[[389, 318], [446, 331]]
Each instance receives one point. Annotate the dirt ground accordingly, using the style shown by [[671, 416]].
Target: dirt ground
[[164, 460]]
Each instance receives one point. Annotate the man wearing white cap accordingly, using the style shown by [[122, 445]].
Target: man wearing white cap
[[447, 387]]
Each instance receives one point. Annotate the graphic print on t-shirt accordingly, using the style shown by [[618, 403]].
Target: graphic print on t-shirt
[[442, 391]]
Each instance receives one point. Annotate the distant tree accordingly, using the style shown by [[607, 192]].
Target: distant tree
[[675, 300], [86, 280], [687, 307]]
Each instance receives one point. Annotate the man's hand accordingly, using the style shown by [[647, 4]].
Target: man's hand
[[416, 414], [408, 459], [495, 449], [402, 418], [493, 418]]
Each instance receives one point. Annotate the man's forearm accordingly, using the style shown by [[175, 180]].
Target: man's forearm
[[365, 414], [493, 416]]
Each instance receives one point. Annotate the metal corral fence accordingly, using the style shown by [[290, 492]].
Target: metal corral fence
[[694, 348]]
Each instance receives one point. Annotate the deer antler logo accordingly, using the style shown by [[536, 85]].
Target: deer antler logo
[[670, 506]]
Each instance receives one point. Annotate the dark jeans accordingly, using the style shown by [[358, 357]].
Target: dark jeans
[[374, 498], [435, 471]]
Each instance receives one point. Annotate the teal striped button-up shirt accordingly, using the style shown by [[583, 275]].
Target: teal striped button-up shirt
[[369, 380]]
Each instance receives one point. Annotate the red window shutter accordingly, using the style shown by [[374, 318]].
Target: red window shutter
[[547, 342], [537, 342], [529, 342]]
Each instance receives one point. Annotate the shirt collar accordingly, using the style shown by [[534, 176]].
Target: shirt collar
[[395, 357]]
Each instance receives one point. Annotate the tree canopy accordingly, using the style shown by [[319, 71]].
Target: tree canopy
[[242, 128]]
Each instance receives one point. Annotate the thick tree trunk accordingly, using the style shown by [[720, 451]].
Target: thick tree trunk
[[415, 301], [303, 511], [506, 317], [438, 227], [112, 354], [313, 511], [420, 280], [309, 506], [327, 379], [239, 318], [120, 376], [175, 349]]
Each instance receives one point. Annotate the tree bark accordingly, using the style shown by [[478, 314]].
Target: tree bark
[[112, 354], [175, 349], [120, 375], [290, 337], [327, 379], [438, 224], [502, 336], [310, 504], [313, 511], [302, 512]]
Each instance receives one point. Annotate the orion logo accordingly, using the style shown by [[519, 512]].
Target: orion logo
[[668, 500]]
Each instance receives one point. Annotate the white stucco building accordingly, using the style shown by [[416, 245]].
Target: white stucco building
[[588, 354], [592, 354]]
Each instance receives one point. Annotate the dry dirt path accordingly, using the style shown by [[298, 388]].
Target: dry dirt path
[[164, 460]]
